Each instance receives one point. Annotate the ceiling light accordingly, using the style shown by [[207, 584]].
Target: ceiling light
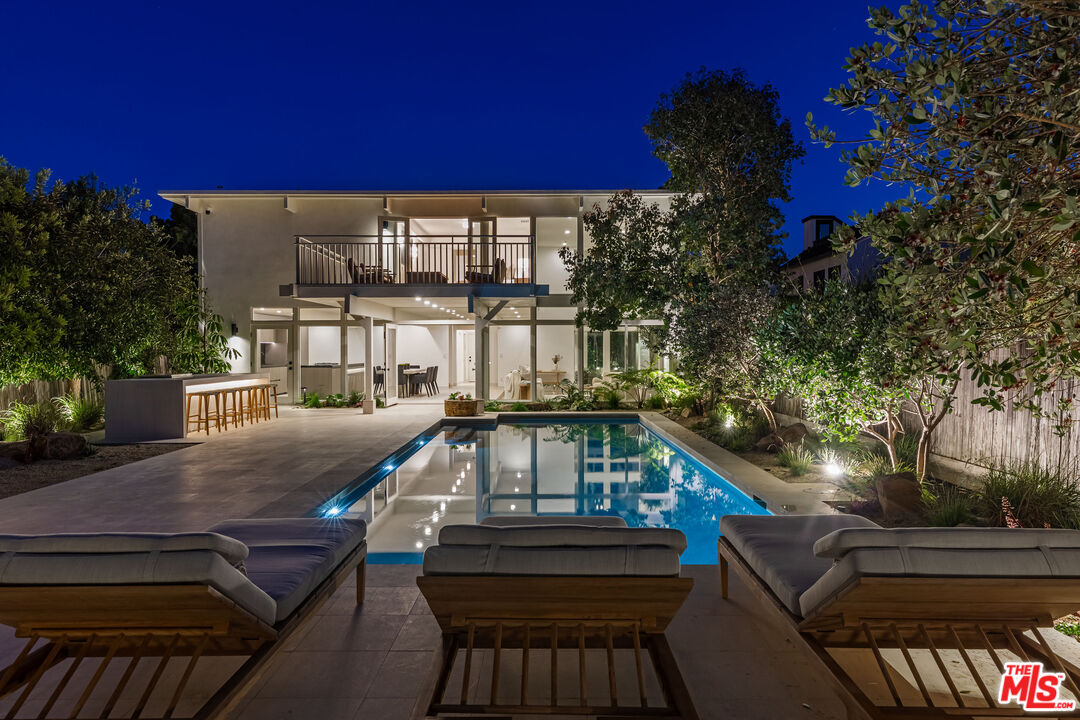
[[279, 312], [418, 298], [465, 224], [566, 232], [564, 244], [513, 507], [427, 302]]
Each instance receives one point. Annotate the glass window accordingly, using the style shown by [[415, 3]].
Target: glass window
[[824, 229], [594, 358], [617, 353], [834, 272], [819, 278]]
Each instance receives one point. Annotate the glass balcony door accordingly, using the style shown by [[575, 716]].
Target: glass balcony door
[[393, 247]]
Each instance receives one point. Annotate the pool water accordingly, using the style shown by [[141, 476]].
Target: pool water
[[601, 467]]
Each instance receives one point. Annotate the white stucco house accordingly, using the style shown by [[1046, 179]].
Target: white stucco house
[[818, 261], [318, 287]]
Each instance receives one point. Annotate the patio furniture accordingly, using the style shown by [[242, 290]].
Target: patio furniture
[[360, 274], [487, 274], [378, 380], [910, 622], [526, 589], [242, 588]]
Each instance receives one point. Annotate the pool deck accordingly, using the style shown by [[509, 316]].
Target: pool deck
[[368, 663]]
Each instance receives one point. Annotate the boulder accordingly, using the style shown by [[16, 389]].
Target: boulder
[[900, 496], [685, 413], [794, 434], [770, 443], [64, 446], [13, 452]]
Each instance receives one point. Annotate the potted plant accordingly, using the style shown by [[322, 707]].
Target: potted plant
[[460, 405]]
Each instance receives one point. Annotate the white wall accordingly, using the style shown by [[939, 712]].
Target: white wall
[[512, 349], [425, 345], [556, 339], [320, 344]]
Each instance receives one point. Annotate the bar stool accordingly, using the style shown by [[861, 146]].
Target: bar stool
[[271, 401], [250, 401], [205, 415], [234, 406], [193, 416]]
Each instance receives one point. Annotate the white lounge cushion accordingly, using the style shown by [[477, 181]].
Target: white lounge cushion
[[836, 544], [956, 552], [291, 557], [229, 548], [620, 560], [779, 548], [519, 520], [561, 536], [72, 566]]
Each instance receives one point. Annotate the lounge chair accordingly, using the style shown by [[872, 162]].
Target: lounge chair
[[521, 588], [239, 589], [911, 622]]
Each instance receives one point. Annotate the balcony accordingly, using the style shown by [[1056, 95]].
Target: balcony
[[369, 264]]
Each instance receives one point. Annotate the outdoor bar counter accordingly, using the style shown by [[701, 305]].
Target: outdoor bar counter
[[154, 408]]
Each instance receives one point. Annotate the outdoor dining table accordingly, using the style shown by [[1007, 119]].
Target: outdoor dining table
[[407, 373]]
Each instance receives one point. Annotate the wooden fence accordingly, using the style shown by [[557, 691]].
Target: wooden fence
[[45, 390]]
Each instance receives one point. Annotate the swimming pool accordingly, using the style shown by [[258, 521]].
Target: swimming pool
[[462, 474]]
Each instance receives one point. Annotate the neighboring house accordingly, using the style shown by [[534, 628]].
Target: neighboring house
[[818, 261], [317, 287]]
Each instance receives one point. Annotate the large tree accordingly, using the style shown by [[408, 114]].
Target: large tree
[[976, 110], [716, 249], [86, 286]]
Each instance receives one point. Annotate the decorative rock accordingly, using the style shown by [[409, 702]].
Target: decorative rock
[[900, 496], [685, 413], [770, 443], [794, 434], [18, 451], [65, 446]]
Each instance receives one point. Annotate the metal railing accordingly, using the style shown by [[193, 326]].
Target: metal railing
[[417, 259]]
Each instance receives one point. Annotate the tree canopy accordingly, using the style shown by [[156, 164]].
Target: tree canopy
[[976, 109], [712, 255], [85, 284]]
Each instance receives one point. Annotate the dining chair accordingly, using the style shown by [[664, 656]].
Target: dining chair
[[429, 379]]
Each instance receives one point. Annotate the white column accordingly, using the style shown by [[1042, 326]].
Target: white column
[[294, 356], [451, 371], [343, 355], [479, 356], [532, 354], [369, 365]]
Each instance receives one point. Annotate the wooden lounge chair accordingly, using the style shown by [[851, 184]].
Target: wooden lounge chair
[[87, 603], [525, 591], [911, 622]]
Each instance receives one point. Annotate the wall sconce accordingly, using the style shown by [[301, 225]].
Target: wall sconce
[[235, 329]]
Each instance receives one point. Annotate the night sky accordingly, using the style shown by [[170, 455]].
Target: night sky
[[449, 95]]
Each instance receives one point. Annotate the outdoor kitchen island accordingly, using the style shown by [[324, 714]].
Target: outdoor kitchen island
[[157, 407]]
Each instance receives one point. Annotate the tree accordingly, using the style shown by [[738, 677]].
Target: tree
[[828, 348], [85, 284], [202, 346], [976, 110], [182, 230], [716, 250]]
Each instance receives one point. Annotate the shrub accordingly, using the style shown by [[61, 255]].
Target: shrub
[[80, 414], [831, 457], [736, 439], [379, 402], [907, 449], [609, 394], [1038, 496], [948, 506], [571, 398], [492, 406], [654, 402], [355, 398], [1069, 625], [519, 407], [313, 400], [797, 459], [24, 421]]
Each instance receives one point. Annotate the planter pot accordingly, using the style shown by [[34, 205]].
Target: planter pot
[[462, 408]]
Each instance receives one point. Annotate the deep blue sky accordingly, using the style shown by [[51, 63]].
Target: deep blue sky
[[447, 95]]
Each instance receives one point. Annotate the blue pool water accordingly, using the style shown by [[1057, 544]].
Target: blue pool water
[[597, 467]]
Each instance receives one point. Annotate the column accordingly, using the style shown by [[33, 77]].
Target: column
[[579, 332], [451, 353], [343, 356], [294, 357], [369, 365], [479, 356], [532, 354]]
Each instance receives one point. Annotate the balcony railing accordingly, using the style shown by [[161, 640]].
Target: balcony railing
[[418, 259]]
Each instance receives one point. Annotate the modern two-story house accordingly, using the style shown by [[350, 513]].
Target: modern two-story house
[[818, 261], [332, 291]]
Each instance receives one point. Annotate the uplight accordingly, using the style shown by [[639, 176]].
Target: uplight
[[333, 512], [833, 469]]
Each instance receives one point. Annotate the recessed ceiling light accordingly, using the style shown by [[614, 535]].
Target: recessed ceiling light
[[418, 298], [566, 232], [427, 302], [564, 244]]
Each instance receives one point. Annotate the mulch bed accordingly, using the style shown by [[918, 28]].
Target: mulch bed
[[42, 473]]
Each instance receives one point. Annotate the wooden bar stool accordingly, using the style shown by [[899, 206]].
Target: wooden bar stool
[[205, 414], [193, 416], [232, 407], [250, 403], [271, 403]]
